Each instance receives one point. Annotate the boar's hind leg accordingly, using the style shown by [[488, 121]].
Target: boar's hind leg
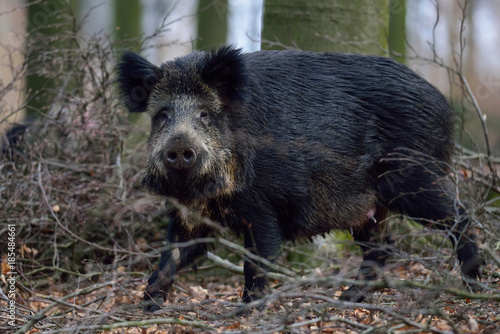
[[430, 202], [264, 240], [442, 214], [467, 251], [375, 244], [171, 261]]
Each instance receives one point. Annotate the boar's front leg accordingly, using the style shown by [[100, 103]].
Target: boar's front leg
[[171, 261], [262, 238]]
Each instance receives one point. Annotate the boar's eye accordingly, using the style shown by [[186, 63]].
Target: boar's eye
[[204, 116], [161, 115]]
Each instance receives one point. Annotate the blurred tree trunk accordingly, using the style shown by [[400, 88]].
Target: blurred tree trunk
[[49, 31], [128, 23], [397, 31], [212, 24], [326, 25]]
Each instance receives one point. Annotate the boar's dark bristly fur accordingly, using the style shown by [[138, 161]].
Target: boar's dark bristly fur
[[226, 72], [136, 78], [280, 145]]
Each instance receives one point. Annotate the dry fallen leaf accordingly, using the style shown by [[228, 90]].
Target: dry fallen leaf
[[234, 325], [361, 313], [474, 327], [443, 325], [5, 265]]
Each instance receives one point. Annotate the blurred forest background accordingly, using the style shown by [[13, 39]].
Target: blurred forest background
[[88, 235], [429, 29]]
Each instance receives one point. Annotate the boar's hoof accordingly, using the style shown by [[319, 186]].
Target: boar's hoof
[[472, 284], [249, 309], [152, 303], [353, 294]]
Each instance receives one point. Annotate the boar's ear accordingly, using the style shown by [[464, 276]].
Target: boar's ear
[[136, 78], [225, 70]]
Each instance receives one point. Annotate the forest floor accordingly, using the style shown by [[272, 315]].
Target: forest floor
[[210, 304]]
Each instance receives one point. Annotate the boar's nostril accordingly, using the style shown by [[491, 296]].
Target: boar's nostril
[[172, 157], [189, 156], [182, 159]]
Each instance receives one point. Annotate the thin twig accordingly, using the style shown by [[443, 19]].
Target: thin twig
[[42, 313]]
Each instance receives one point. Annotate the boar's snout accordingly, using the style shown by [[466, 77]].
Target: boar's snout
[[180, 156]]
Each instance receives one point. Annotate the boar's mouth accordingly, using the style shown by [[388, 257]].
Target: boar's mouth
[[187, 186]]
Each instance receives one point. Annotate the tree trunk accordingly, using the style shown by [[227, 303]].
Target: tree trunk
[[397, 31], [49, 33], [357, 26], [212, 24], [128, 23]]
